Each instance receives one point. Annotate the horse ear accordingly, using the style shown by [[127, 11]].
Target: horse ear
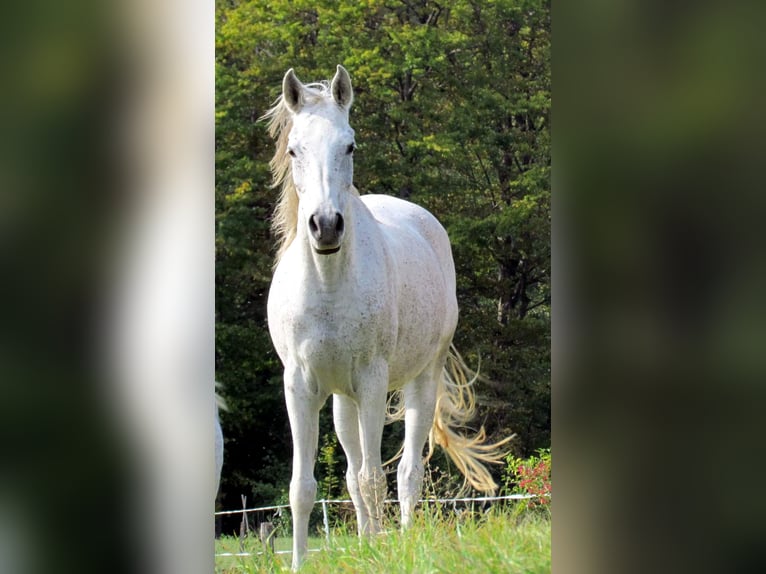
[[342, 92], [292, 91]]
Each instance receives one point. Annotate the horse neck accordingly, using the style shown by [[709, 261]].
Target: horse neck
[[331, 271], [335, 270]]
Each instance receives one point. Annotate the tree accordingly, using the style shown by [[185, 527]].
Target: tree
[[452, 112]]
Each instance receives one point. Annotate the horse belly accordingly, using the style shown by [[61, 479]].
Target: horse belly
[[427, 322], [425, 285], [418, 345]]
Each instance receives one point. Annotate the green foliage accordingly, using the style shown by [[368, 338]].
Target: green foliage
[[331, 472], [282, 519], [530, 475], [452, 112], [330, 482], [440, 483]]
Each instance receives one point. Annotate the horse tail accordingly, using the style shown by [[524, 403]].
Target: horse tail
[[220, 402], [455, 407]]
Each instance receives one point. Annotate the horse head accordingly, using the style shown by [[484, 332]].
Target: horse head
[[321, 147]]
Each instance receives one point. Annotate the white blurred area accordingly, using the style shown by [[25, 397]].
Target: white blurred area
[[107, 257], [160, 326]]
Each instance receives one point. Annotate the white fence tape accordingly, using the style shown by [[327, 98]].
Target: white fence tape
[[388, 501], [324, 502]]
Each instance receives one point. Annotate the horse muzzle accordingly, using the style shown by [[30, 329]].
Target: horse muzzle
[[326, 232]]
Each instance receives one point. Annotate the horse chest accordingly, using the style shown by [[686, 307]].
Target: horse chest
[[333, 329]]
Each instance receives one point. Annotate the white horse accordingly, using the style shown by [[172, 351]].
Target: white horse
[[220, 404], [362, 303]]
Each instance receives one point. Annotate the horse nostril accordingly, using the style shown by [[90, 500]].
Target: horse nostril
[[339, 224], [313, 227]]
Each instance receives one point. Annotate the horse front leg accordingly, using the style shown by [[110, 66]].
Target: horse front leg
[[346, 417], [303, 411], [372, 389]]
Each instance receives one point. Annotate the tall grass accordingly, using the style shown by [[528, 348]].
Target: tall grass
[[500, 541]]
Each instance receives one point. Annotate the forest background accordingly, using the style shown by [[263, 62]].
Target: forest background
[[452, 112]]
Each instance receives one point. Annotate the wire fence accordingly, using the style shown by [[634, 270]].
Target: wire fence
[[267, 536]]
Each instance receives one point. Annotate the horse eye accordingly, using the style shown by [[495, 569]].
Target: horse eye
[[291, 152], [350, 149]]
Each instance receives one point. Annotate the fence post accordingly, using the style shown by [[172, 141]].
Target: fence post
[[326, 520], [267, 535], [244, 526]]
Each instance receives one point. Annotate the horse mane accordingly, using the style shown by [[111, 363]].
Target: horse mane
[[284, 221]]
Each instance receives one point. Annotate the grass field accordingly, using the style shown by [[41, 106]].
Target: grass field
[[498, 542]]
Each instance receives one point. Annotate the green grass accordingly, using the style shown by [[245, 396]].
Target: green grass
[[499, 542]]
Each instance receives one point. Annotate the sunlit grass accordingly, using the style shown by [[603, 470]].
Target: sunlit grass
[[437, 542]]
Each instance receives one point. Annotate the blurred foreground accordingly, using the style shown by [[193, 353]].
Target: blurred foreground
[[106, 243]]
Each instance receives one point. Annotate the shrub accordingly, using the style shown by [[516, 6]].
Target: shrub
[[530, 476]]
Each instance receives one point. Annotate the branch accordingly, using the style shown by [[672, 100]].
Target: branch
[[486, 177], [398, 143], [545, 301], [518, 165]]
